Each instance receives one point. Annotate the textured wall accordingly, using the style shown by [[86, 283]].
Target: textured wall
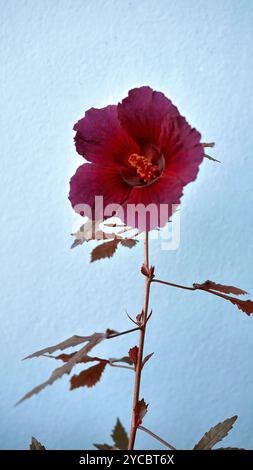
[[59, 58]]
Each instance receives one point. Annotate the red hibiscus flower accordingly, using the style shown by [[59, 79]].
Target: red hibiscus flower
[[140, 152]]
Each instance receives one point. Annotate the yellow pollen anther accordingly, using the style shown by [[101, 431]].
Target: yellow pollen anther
[[145, 169]]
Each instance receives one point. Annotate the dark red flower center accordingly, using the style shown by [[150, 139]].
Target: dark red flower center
[[143, 170]]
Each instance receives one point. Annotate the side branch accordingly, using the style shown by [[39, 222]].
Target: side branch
[[179, 286], [219, 290], [165, 443], [115, 335]]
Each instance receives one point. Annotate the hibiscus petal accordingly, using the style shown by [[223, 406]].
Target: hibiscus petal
[[90, 181], [100, 138], [181, 147], [166, 191], [142, 114]]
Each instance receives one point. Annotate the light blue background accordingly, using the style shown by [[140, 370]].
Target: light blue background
[[59, 58]]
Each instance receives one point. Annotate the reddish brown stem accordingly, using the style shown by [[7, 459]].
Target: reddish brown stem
[[137, 384], [121, 367], [115, 335], [165, 443], [173, 285]]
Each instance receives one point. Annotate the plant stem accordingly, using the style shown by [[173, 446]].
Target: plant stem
[[137, 384], [165, 443], [115, 335], [122, 367], [173, 285]]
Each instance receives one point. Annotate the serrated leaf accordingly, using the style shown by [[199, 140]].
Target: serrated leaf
[[128, 242], [89, 377], [36, 445], [222, 288], [67, 357], [215, 434], [94, 339], [245, 305], [119, 436], [88, 231], [105, 250], [68, 343], [133, 355], [103, 447], [141, 410]]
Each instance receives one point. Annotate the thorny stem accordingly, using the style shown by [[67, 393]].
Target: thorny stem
[[165, 443], [137, 384]]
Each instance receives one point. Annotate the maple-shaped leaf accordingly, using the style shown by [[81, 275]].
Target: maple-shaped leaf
[[119, 436], [94, 339], [146, 359], [88, 377], [103, 447], [221, 288], [140, 411], [128, 242], [36, 445], [105, 250], [133, 354], [215, 434]]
